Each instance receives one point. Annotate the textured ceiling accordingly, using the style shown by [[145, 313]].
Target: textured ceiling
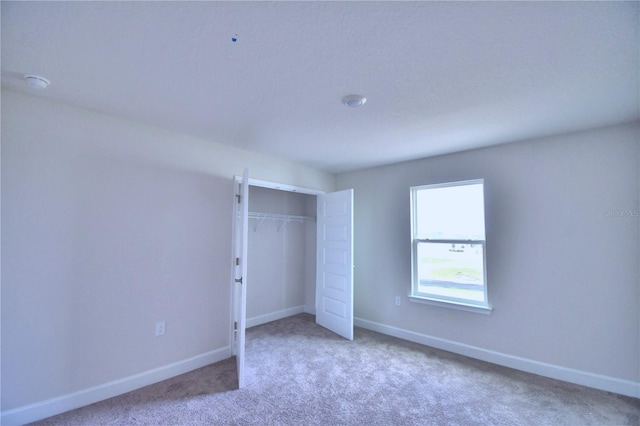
[[440, 77]]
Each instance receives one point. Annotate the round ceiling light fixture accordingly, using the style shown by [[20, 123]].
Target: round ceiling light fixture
[[354, 101], [36, 81]]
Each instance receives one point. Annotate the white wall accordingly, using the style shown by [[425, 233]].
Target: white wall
[[107, 227], [563, 273], [311, 256]]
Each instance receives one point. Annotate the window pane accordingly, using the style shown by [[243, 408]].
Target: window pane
[[450, 213], [451, 270]]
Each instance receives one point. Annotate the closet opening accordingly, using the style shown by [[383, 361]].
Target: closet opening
[[281, 271]]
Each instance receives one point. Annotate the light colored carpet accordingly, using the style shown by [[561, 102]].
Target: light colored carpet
[[301, 374]]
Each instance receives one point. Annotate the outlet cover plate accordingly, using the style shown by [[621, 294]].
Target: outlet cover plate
[[160, 328]]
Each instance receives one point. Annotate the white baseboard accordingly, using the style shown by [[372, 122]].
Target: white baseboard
[[584, 378], [51, 407], [273, 316]]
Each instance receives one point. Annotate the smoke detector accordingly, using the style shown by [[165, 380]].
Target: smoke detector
[[36, 81], [354, 101]]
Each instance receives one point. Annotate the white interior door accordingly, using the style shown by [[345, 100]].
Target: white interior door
[[239, 267], [334, 266]]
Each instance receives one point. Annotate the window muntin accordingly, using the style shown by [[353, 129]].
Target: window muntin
[[448, 243]]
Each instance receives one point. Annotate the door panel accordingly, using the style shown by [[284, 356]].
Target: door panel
[[240, 237], [334, 268]]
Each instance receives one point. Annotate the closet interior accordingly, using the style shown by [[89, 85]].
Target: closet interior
[[281, 272]]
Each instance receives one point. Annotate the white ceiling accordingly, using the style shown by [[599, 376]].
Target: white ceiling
[[440, 77]]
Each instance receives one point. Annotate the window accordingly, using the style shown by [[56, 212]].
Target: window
[[448, 245]]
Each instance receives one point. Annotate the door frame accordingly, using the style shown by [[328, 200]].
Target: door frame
[[238, 309], [282, 186], [263, 184]]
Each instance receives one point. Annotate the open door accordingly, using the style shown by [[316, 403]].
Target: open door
[[239, 268], [334, 266]]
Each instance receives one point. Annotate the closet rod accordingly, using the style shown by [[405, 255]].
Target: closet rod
[[286, 218]]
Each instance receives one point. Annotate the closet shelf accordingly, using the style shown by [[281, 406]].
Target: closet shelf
[[285, 218]]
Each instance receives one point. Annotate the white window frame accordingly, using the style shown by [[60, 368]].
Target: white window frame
[[441, 300]]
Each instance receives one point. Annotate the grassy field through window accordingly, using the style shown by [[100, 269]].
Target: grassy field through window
[[451, 270]]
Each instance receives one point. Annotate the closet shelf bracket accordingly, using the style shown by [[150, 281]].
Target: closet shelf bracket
[[284, 223], [261, 219]]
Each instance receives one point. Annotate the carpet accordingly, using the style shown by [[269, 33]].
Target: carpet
[[298, 373]]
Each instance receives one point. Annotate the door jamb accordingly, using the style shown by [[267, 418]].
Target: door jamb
[[281, 186]]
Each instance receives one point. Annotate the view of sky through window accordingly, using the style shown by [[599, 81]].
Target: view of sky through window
[[451, 213]]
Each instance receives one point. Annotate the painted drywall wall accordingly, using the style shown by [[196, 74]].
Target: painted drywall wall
[[277, 273], [109, 226], [562, 250], [311, 256]]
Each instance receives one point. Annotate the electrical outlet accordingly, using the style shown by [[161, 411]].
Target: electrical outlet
[[398, 300], [160, 328]]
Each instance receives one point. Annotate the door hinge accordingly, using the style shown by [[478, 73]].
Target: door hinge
[[235, 326], [239, 280], [239, 197], [237, 261]]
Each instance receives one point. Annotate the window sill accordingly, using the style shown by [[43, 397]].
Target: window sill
[[486, 310]]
